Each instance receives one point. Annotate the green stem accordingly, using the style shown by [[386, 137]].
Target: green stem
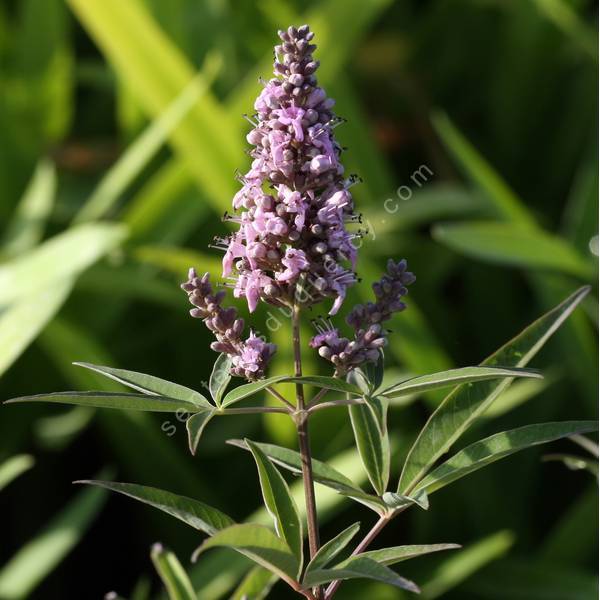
[[304, 443]]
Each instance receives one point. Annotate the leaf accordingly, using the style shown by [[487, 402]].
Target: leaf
[[574, 462], [27, 226], [195, 427], [328, 551], [453, 377], [39, 557], [461, 565], [373, 447], [396, 501], [220, 377], [256, 585], [112, 400], [156, 71], [173, 575], [378, 405], [465, 404], [497, 446], [322, 472], [359, 567], [259, 544], [330, 383], [64, 256], [243, 391], [13, 467], [140, 153], [193, 512], [278, 502], [506, 203], [513, 245], [148, 384], [21, 323], [375, 371], [396, 554]]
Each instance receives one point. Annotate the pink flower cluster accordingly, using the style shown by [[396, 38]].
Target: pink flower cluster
[[250, 357], [294, 205], [366, 319]]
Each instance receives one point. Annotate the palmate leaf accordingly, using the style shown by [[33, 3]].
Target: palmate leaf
[[259, 544], [359, 567], [193, 512], [498, 446], [148, 384], [466, 403], [452, 377], [278, 502], [396, 554], [173, 575], [112, 400], [330, 383], [322, 473], [195, 427], [328, 551], [373, 447]]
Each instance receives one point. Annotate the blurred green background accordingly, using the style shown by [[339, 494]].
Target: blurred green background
[[473, 124]]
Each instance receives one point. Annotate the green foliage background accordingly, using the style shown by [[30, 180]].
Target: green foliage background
[[120, 134]]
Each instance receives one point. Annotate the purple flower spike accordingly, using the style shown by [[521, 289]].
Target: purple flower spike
[[250, 357], [366, 319], [294, 203]]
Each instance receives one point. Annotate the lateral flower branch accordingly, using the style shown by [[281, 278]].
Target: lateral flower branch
[[294, 248]]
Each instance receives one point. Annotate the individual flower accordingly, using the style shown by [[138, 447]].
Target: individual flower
[[250, 357], [294, 204], [366, 319]]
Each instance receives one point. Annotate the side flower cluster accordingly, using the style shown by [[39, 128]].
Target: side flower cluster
[[367, 320], [294, 204], [250, 357]]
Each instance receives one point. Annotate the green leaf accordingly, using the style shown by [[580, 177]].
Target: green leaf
[[330, 383], [453, 377], [328, 551], [497, 446], [256, 585], [259, 544], [461, 565], [195, 427], [396, 501], [139, 154], [148, 384], [466, 403], [112, 400], [173, 575], [574, 462], [40, 556], [373, 447], [278, 502], [21, 323], [396, 554], [378, 405], [27, 226], [64, 256], [156, 71], [14, 466], [322, 472], [506, 203], [359, 567], [249, 389], [193, 512], [220, 377], [375, 371], [513, 245]]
